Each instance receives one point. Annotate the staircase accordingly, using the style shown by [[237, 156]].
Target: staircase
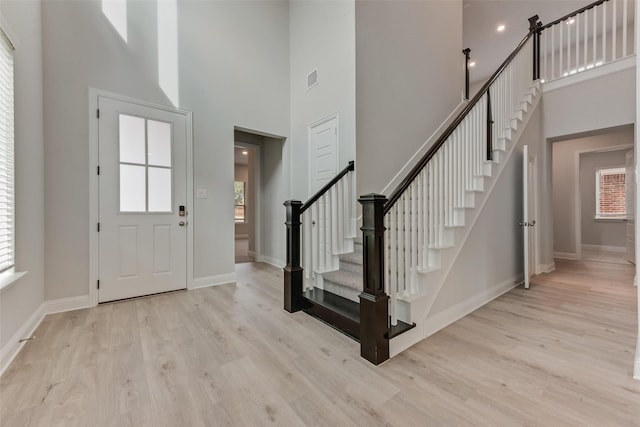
[[377, 288]]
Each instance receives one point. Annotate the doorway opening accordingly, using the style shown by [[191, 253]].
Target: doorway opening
[[260, 235], [593, 196], [244, 211]]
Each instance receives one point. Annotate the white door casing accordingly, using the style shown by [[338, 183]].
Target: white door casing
[[142, 245]]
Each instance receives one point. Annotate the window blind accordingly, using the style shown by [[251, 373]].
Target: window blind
[[7, 193]]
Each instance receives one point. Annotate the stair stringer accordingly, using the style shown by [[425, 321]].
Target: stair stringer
[[416, 308]]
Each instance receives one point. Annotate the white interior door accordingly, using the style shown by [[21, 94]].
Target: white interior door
[[527, 221], [142, 200], [323, 144], [323, 147]]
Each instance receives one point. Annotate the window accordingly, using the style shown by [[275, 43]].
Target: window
[[240, 202], [7, 195], [611, 199], [145, 165]]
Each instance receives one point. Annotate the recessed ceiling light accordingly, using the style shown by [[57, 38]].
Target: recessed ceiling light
[[472, 64], [501, 28], [571, 21], [245, 153]]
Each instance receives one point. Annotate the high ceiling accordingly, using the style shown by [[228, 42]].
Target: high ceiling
[[489, 48]]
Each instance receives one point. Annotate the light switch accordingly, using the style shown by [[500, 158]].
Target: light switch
[[201, 193]]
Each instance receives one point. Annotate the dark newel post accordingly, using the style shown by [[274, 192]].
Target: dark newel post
[[293, 271], [538, 36], [533, 26], [489, 127], [466, 52], [374, 303]]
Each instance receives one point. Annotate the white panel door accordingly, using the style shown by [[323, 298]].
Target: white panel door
[[528, 211], [323, 146], [143, 194]]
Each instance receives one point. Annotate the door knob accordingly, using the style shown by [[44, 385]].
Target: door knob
[[182, 223]]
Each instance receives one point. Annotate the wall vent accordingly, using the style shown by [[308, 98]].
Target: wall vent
[[312, 79]]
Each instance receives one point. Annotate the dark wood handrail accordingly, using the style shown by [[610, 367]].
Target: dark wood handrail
[[406, 182], [574, 13], [350, 167]]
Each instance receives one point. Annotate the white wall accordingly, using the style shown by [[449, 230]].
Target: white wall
[[409, 77], [582, 106], [20, 301], [322, 37], [602, 232], [565, 166], [232, 70]]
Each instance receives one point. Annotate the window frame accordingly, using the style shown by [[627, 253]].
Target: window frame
[[611, 171]]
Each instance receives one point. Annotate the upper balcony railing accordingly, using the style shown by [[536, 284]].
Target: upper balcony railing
[[597, 34]]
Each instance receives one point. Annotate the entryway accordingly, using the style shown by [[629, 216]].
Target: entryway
[[143, 198], [593, 195]]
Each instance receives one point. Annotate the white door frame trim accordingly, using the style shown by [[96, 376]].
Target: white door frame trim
[[94, 184]]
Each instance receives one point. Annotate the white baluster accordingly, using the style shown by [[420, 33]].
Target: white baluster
[[419, 218], [389, 282], [586, 35], [415, 194], [401, 243], [604, 32], [614, 30], [307, 246], [577, 41], [315, 242], [545, 55], [393, 249], [432, 205], [624, 28], [594, 37], [561, 49], [553, 52], [407, 242], [424, 241]]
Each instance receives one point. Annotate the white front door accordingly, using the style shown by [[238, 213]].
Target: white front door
[[142, 200]]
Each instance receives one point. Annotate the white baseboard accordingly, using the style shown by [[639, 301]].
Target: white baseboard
[[620, 249], [545, 268], [452, 314], [12, 348], [205, 282], [66, 304], [565, 255], [272, 261]]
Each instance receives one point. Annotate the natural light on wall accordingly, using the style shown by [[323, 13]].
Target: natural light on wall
[[116, 13], [168, 49]]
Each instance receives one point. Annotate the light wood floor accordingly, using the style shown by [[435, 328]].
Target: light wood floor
[[560, 354]]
